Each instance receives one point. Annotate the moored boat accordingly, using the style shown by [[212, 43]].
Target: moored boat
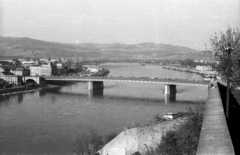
[[170, 116]]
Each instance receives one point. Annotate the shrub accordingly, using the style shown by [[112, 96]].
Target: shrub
[[91, 142], [184, 140]]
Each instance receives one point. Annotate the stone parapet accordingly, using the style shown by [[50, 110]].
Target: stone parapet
[[214, 137]]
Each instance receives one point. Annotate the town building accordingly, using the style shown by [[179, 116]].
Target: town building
[[21, 72], [43, 70], [28, 63], [4, 69], [11, 78], [204, 68], [48, 69], [92, 68], [35, 70], [59, 65]]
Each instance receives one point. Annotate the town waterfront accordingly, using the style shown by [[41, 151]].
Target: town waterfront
[[48, 121]]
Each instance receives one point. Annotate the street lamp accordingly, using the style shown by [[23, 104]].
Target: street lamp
[[228, 49]]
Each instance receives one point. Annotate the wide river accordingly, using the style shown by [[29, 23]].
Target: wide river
[[48, 121]]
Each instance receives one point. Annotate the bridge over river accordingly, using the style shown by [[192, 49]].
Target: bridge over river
[[166, 81], [96, 83], [96, 86]]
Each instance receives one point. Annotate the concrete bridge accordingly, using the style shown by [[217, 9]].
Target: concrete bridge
[[31, 79], [95, 84]]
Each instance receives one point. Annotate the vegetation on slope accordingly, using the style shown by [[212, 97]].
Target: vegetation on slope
[[184, 140]]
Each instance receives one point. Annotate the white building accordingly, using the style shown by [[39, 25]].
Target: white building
[[21, 72], [92, 68], [59, 65], [35, 70], [11, 78], [204, 68], [29, 63], [48, 69], [43, 70]]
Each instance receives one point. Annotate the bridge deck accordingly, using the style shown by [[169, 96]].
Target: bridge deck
[[130, 80]]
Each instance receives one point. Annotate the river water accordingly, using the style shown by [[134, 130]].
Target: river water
[[48, 121]]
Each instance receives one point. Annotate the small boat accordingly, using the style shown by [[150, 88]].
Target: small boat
[[170, 116]]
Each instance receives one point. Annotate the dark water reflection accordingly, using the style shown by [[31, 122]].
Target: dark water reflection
[[48, 121], [170, 98]]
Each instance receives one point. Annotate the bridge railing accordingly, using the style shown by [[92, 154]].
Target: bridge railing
[[178, 80]]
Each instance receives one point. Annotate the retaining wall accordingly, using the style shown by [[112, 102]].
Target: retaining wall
[[214, 137]]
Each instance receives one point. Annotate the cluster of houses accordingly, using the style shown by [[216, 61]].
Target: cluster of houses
[[12, 71]]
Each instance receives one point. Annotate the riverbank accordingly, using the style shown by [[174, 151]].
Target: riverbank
[[160, 135], [203, 73], [140, 139], [24, 89]]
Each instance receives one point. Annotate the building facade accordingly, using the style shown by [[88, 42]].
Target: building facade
[[48, 68], [43, 70], [35, 70], [21, 72], [11, 78], [204, 68]]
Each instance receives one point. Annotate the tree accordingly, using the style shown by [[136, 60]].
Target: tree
[[219, 44]]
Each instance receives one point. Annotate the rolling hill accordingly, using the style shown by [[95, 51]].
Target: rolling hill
[[27, 47]]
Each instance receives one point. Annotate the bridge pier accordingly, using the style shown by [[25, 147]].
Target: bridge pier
[[170, 89], [95, 93], [170, 93], [170, 98], [95, 85], [95, 89]]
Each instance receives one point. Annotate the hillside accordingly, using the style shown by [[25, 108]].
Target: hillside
[[27, 47]]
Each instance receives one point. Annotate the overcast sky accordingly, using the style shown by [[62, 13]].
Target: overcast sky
[[178, 22]]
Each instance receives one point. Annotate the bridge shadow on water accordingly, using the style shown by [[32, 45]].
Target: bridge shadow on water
[[99, 96], [96, 96]]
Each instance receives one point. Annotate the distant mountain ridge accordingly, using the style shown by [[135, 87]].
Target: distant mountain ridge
[[27, 47]]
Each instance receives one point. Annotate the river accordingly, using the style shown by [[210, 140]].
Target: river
[[48, 121]]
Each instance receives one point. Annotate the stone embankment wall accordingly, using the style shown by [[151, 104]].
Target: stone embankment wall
[[7, 91], [139, 139], [214, 137]]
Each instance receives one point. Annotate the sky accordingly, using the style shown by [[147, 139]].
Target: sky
[[187, 23]]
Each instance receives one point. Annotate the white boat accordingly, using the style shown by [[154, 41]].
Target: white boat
[[170, 116]]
